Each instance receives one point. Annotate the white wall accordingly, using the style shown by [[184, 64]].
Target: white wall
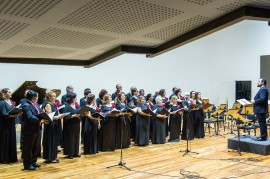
[[210, 65]]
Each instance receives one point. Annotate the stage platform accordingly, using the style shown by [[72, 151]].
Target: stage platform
[[249, 144], [153, 161]]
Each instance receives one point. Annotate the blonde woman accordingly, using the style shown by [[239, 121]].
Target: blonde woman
[[50, 134], [108, 126]]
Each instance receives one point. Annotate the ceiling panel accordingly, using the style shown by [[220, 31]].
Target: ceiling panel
[[27, 8], [31, 51], [68, 38], [120, 16]]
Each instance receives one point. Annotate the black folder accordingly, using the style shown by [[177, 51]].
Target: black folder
[[98, 115], [15, 111], [45, 116], [83, 110], [148, 111], [164, 112]]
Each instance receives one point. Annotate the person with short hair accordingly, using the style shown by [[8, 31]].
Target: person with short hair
[[71, 127], [69, 89], [261, 107], [142, 123], [118, 90], [32, 131]]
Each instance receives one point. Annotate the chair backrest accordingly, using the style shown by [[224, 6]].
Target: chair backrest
[[236, 105]]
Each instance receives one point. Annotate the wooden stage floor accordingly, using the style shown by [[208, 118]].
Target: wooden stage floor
[[154, 161]]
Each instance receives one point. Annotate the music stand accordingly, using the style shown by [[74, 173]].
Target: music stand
[[121, 163], [216, 124]]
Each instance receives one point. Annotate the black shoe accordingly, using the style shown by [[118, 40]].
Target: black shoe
[[261, 139], [69, 157], [36, 165], [79, 155], [29, 167], [55, 161]]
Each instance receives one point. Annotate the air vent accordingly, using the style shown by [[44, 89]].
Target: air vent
[[178, 29], [120, 16], [68, 38], [27, 8], [35, 52], [10, 28]]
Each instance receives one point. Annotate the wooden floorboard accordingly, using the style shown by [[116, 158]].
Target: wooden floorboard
[[154, 161]]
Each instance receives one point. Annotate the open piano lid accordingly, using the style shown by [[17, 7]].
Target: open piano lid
[[18, 94]]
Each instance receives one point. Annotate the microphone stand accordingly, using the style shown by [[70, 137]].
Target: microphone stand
[[187, 150], [121, 163]]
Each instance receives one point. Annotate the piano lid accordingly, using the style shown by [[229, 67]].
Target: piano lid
[[18, 94]]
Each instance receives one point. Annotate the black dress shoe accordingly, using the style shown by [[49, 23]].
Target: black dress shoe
[[29, 167], [69, 157], [261, 139], [36, 165], [55, 161], [77, 155]]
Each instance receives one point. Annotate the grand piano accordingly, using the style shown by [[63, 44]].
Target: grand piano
[[18, 94]]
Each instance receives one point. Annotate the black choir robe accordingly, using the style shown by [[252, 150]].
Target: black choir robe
[[83, 103], [8, 145], [107, 131], [32, 133], [159, 128], [175, 124], [90, 133], [199, 122], [71, 131], [50, 137], [142, 128], [133, 100], [125, 122]]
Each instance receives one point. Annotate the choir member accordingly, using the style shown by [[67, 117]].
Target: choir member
[[132, 104], [8, 146], [142, 124], [118, 90], [175, 120], [192, 98], [162, 96], [188, 129], [32, 131], [102, 93], [69, 89], [159, 124], [156, 95], [122, 122], [177, 93], [107, 130], [198, 118], [129, 95], [173, 92], [141, 92], [150, 102], [71, 127], [83, 102], [50, 132], [22, 101], [90, 130]]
